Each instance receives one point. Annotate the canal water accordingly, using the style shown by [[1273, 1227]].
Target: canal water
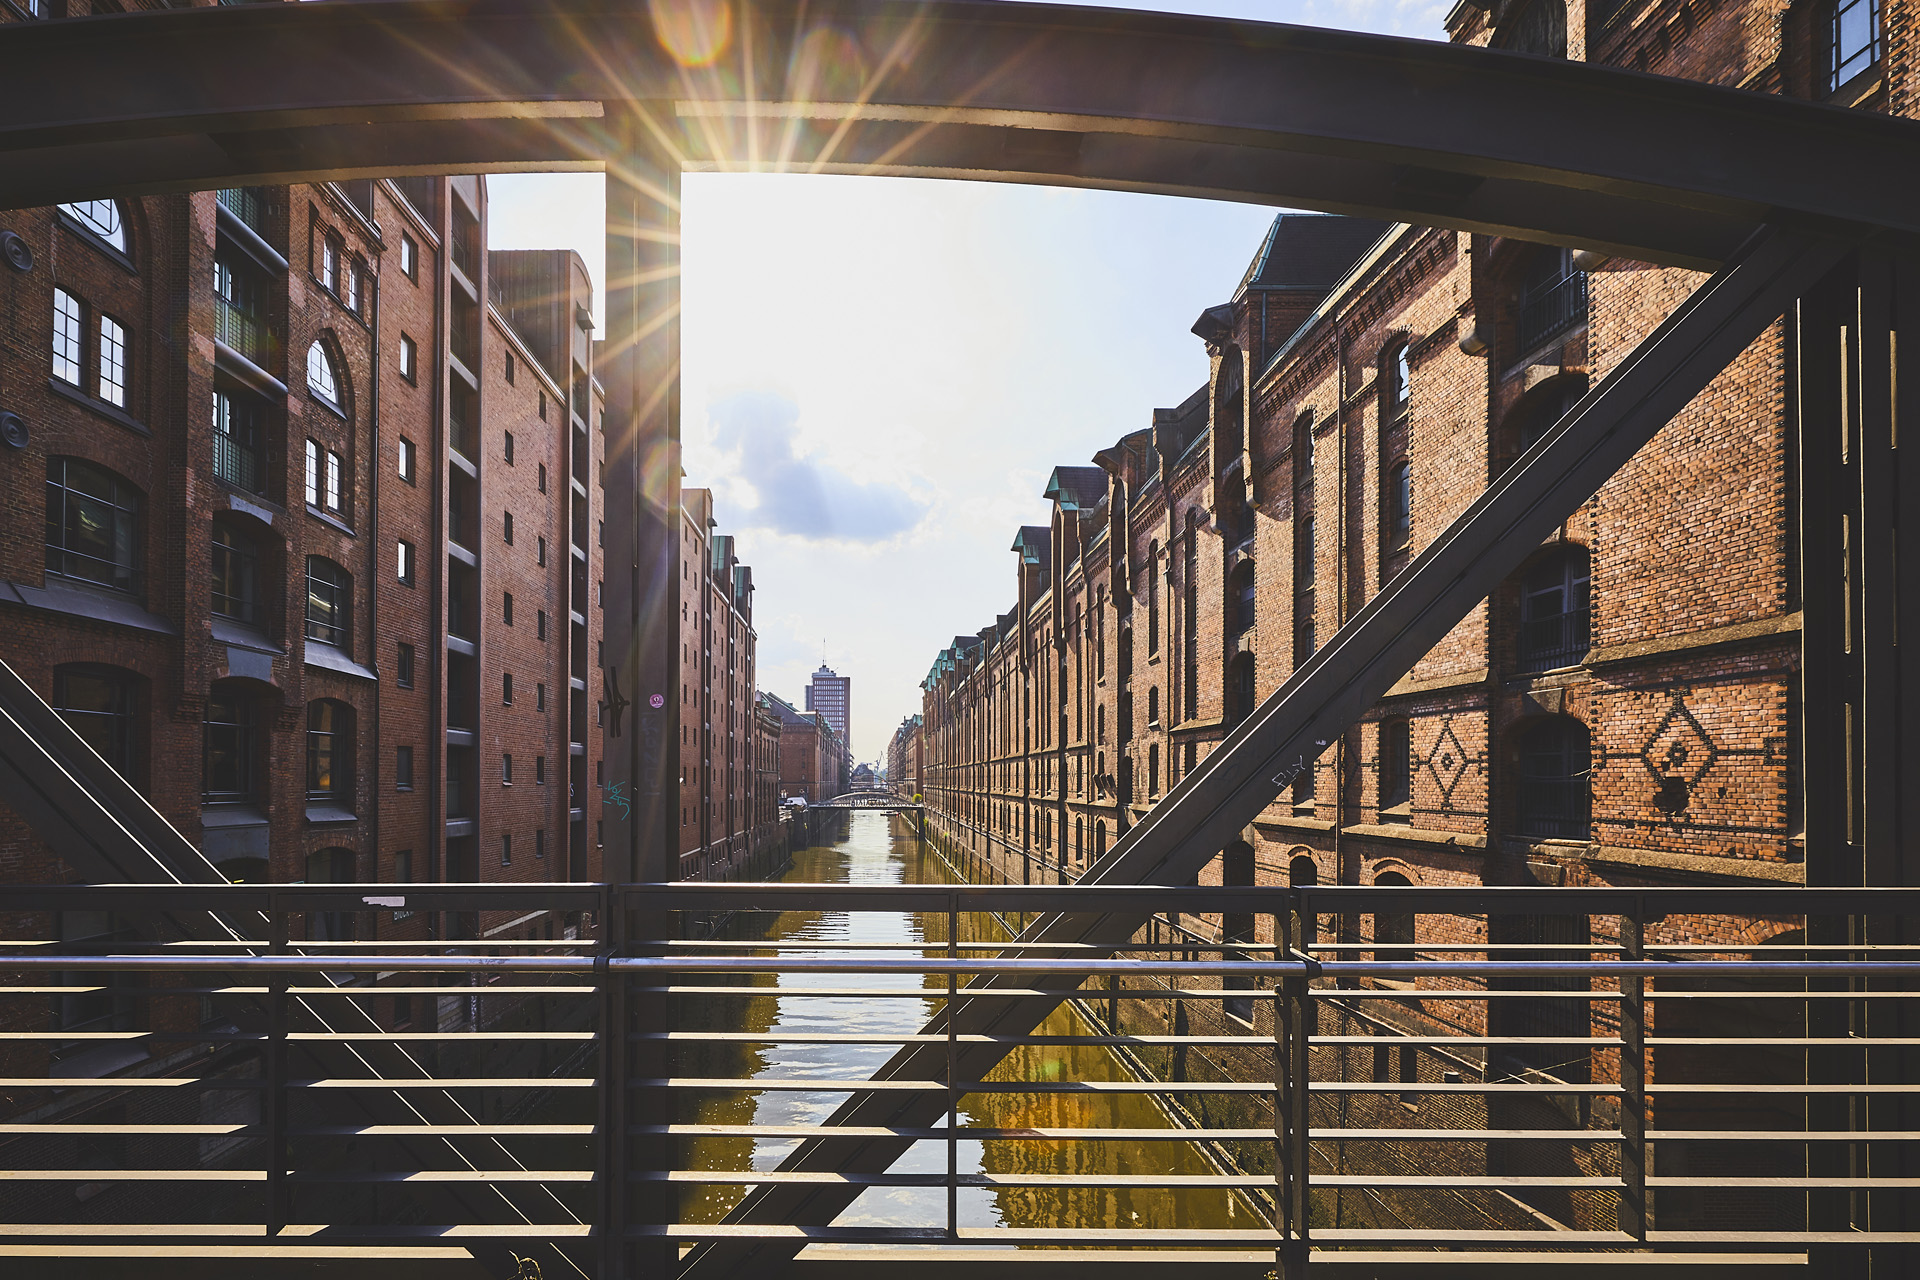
[[874, 849]]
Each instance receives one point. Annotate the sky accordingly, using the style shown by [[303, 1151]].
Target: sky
[[878, 374]]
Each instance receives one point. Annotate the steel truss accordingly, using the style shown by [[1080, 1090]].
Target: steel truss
[[1441, 135]]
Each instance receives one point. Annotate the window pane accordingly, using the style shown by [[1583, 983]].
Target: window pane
[[406, 458], [92, 518], [236, 440], [228, 760], [313, 474], [113, 362], [234, 569], [98, 706], [102, 217], [66, 337], [328, 588], [320, 379], [333, 480]]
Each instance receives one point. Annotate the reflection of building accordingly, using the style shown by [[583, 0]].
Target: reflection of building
[[831, 695], [813, 757], [319, 475]]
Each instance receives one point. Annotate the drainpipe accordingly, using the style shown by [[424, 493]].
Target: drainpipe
[[373, 597]]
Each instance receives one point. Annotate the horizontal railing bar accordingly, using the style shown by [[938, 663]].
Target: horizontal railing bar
[[1746, 969], [1811, 1184], [940, 1235], [1786, 1135], [133, 1175], [469, 1037], [1249, 1041], [444, 1130], [260, 1175], [964, 1134], [296, 1231], [445, 1175], [470, 1082], [725, 1177]]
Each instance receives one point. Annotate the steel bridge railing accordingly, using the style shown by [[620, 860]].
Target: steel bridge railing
[[1535, 1076]]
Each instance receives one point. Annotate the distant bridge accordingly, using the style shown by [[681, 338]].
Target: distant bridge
[[875, 799]]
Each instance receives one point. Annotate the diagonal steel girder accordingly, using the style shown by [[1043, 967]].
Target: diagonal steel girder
[[106, 830], [1323, 698]]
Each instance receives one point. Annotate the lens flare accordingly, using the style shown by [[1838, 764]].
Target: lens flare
[[695, 32]]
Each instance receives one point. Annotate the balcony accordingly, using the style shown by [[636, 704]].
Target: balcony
[[1551, 308], [1592, 1083], [241, 330]]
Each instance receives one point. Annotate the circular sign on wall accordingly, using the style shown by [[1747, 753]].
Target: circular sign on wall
[[657, 701]]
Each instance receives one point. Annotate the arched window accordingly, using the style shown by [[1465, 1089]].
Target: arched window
[[1555, 789], [236, 574], [1153, 597], [322, 379], [1302, 871], [1556, 610], [1396, 765], [93, 525], [329, 602], [1240, 594], [1396, 377], [1393, 928], [100, 705], [330, 752], [101, 218], [1305, 552], [1240, 694], [229, 745]]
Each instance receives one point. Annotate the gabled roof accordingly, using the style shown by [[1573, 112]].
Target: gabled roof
[[1033, 543], [1077, 488], [1309, 251]]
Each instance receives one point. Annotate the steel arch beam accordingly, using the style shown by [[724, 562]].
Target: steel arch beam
[[1658, 169]]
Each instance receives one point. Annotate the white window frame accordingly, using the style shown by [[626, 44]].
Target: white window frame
[[313, 474], [69, 337], [113, 362], [336, 468], [404, 464], [409, 358]]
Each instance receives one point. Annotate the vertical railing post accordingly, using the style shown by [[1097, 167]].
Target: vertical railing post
[[279, 1210], [1291, 1023], [610, 1160], [953, 1072], [1634, 1208], [641, 682]]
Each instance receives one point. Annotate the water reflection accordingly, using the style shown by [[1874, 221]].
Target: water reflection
[[874, 850]]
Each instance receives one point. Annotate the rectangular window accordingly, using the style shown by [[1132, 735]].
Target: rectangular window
[[506, 768], [403, 666], [235, 574], [67, 347], [335, 471], [506, 689], [409, 256], [509, 368], [313, 474], [236, 441], [506, 608], [1853, 40], [543, 477], [507, 447], [506, 847], [353, 286], [403, 562], [539, 842], [403, 768], [540, 769], [405, 464], [506, 525], [329, 595], [409, 358], [539, 697], [113, 363], [541, 558], [543, 406], [329, 265], [540, 624], [228, 748]]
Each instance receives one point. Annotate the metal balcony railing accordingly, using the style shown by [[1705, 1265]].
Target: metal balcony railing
[[1547, 311], [1537, 1076], [239, 330], [246, 204]]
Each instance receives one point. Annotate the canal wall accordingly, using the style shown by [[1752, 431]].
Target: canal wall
[[1398, 1057]]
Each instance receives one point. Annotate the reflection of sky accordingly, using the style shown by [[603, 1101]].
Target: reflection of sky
[[944, 346], [869, 856]]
